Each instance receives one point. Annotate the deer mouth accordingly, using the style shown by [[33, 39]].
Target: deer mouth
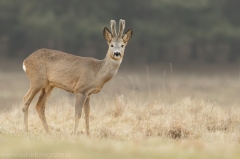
[[117, 55]]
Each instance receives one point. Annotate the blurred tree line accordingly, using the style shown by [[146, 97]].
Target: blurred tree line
[[164, 30]]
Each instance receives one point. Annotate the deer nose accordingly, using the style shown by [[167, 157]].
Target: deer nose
[[117, 53]]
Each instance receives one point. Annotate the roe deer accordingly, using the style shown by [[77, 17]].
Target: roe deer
[[82, 76]]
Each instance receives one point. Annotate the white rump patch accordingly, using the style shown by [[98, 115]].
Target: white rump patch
[[24, 67]]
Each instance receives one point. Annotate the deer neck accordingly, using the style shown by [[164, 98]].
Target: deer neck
[[109, 67]]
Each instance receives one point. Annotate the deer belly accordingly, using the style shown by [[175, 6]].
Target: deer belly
[[63, 84]]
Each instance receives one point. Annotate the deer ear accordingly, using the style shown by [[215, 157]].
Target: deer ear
[[127, 36], [107, 34]]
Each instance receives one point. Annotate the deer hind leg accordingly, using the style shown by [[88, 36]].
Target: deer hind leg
[[87, 112], [41, 103], [80, 100], [26, 102]]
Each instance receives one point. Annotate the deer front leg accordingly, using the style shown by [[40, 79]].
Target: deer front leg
[[80, 100], [86, 112]]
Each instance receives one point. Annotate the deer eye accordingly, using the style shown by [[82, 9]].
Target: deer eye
[[122, 45], [112, 45]]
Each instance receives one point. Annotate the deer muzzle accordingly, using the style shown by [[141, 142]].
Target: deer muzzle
[[117, 54]]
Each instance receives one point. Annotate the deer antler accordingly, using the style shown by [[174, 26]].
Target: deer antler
[[113, 28], [121, 28]]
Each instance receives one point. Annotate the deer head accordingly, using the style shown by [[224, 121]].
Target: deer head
[[117, 42]]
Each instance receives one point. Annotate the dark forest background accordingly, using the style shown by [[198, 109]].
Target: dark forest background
[[164, 30]]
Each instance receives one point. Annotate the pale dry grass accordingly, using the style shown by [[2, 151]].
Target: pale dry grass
[[185, 128], [124, 119]]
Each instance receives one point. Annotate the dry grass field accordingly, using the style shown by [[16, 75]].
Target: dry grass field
[[148, 112]]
